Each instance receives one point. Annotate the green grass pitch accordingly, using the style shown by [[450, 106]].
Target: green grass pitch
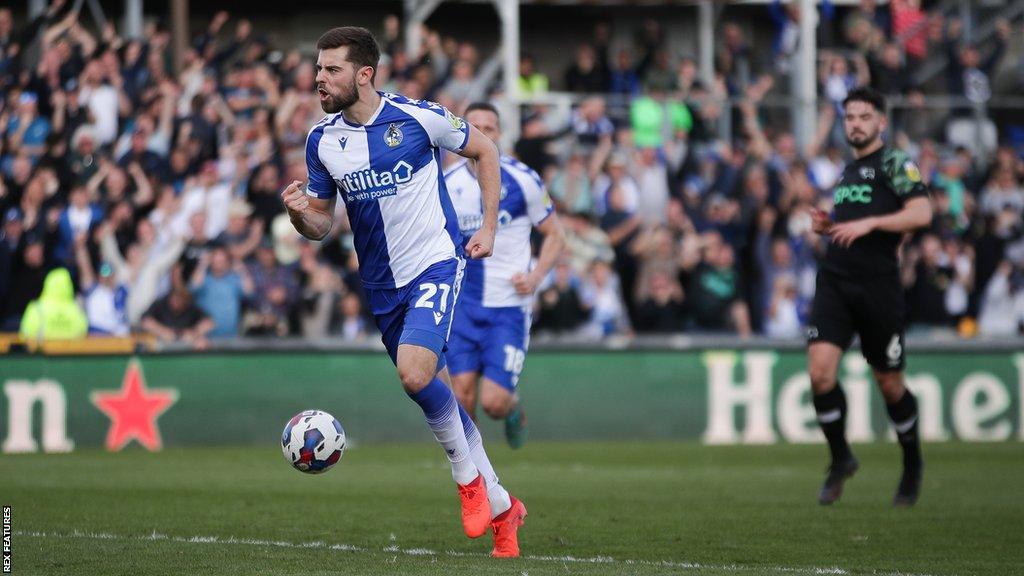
[[595, 508]]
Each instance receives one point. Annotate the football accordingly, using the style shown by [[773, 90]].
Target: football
[[313, 441]]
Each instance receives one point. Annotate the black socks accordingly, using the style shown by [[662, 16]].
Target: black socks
[[903, 414], [831, 409]]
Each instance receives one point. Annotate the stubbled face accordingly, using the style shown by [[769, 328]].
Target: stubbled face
[[336, 82], [486, 122], [863, 124]]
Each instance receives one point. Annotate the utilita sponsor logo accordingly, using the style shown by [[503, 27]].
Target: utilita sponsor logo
[[370, 184]]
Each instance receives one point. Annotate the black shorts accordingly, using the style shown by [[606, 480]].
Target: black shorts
[[872, 308]]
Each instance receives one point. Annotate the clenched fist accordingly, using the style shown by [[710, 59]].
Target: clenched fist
[[294, 197]]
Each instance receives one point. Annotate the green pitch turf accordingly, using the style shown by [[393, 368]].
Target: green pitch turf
[[596, 508]]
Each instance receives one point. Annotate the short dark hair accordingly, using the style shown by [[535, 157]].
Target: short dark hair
[[486, 106], [363, 49], [868, 95]]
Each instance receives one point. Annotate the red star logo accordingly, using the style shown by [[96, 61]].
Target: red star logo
[[133, 410]]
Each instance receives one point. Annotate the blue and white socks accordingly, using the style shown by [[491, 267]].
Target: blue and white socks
[[441, 410], [496, 493]]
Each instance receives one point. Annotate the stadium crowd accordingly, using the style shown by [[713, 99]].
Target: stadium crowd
[[137, 199]]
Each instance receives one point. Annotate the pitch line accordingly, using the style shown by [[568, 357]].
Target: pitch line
[[394, 549]]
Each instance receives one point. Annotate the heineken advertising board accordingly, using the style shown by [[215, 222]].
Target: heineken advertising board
[[59, 404]]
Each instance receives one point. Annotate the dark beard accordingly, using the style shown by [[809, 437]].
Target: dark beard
[[338, 103], [861, 144]]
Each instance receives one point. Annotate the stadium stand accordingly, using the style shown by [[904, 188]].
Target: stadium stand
[[685, 200]]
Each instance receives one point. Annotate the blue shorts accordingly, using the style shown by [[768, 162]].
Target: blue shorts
[[419, 313], [491, 341]]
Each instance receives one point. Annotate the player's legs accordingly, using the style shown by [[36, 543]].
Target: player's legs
[[414, 322], [465, 387], [829, 334], [503, 358], [829, 400], [496, 400], [507, 513], [417, 368], [496, 493], [465, 345], [882, 343]]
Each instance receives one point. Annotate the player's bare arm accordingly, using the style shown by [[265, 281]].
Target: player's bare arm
[[917, 213], [488, 173], [312, 217], [550, 250]]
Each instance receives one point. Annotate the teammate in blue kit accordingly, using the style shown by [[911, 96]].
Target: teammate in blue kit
[[381, 153], [491, 329]]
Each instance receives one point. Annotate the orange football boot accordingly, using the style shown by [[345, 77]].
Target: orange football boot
[[476, 510], [506, 530]]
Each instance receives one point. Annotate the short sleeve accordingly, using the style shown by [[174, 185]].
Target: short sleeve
[[445, 129], [538, 202], [904, 175], [321, 184]]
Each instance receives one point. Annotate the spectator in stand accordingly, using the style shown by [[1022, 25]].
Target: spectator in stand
[[604, 297], [55, 315], [660, 76], [571, 186], [622, 225], [661, 308], [458, 90], [623, 78], [531, 82], [782, 319], [28, 272], [275, 290], [560, 306], [532, 147], [176, 318], [105, 295], [715, 290], [263, 190], [889, 74], [787, 32], [593, 130], [910, 26], [926, 277], [351, 324], [837, 79], [586, 75], [103, 94], [1002, 306], [27, 131], [618, 179], [77, 220], [242, 236], [209, 195], [220, 286], [657, 119], [1003, 192], [651, 170], [737, 59], [145, 267], [967, 75]]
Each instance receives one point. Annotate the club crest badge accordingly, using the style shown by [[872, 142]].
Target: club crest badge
[[867, 173], [393, 137]]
